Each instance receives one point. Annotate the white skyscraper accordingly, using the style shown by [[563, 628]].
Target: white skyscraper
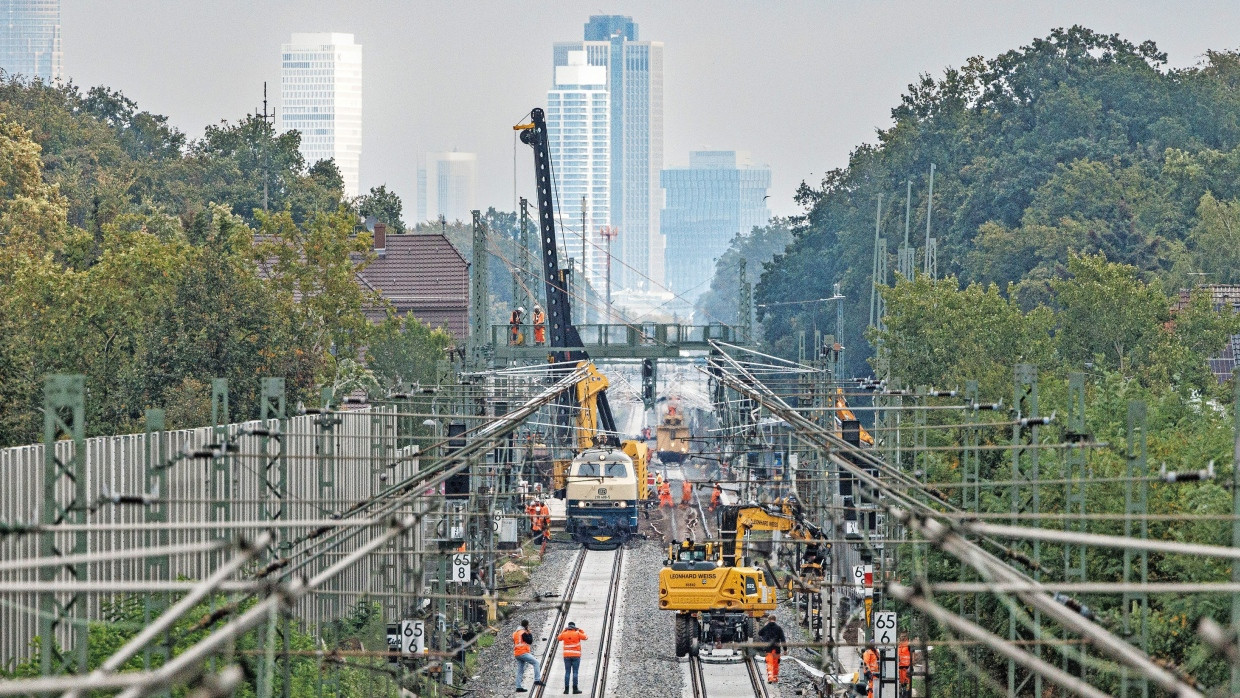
[[321, 95], [634, 76], [448, 186], [579, 138]]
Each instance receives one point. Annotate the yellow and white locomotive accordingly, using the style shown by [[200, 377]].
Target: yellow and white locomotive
[[602, 494]]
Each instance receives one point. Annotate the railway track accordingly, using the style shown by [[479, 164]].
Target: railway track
[[727, 680], [591, 601]]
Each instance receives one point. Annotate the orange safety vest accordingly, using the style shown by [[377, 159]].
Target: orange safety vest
[[665, 490], [519, 645], [870, 657], [686, 491], [572, 641], [540, 329], [714, 497], [904, 657], [544, 517]]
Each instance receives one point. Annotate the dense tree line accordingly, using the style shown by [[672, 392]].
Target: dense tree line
[[1078, 142], [1080, 184], [152, 262]]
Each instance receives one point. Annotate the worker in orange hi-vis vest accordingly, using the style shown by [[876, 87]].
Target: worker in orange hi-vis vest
[[544, 525], [571, 639], [522, 638], [536, 523], [686, 493], [716, 497], [904, 659], [870, 659], [665, 494], [540, 325]]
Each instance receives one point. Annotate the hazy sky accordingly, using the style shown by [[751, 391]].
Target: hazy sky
[[797, 84]]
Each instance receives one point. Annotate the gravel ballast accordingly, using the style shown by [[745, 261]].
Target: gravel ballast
[[647, 658], [495, 663]]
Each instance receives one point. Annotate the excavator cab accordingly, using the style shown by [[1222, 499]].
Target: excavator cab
[[687, 555]]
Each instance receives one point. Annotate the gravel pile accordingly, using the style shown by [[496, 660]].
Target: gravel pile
[[648, 667], [495, 664]]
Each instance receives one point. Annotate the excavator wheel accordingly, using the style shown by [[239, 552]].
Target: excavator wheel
[[695, 636], [683, 637]]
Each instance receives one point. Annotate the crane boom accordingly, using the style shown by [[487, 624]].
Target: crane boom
[[562, 333]]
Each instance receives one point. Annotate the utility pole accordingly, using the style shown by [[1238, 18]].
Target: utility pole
[[932, 244], [268, 118], [609, 234], [879, 253], [478, 294], [907, 255]]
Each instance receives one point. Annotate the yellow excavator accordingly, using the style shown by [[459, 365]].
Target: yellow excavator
[[714, 603], [714, 591]]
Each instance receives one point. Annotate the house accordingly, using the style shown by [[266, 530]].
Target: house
[[1221, 295], [421, 274]]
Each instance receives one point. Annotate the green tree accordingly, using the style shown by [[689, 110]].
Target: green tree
[[404, 351], [385, 206]]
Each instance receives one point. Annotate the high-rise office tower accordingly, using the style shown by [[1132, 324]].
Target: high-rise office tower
[[30, 39], [321, 96], [448, 186], [634, 85], [708, 203], [579, 130]]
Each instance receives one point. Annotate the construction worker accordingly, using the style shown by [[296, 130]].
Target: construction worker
[[571, 639], [869, 660], [686, 492], [904, 659], [716, 497], [773, 634], [531, 513], [522, 638], [514, 322], [544, 519], [540, 325], [665, 494], [536, 522]]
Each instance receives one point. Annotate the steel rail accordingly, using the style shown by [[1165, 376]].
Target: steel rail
[[609, 627], [760, 687], [557, 624], [697, 681], [967, 551]]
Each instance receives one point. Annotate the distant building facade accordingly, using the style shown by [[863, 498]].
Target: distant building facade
[[321, 97], [579, 139], [448, 186], [30, 39], [707, 204], [634, 85]]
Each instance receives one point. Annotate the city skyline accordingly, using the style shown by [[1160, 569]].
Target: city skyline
[[633, 69], [858, 58]]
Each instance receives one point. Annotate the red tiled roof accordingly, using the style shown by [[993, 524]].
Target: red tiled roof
[[424, 275]]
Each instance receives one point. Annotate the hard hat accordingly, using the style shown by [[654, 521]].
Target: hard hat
[[572, 625], [520, 309], [537, 307]]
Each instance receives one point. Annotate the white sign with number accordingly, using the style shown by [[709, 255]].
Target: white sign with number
[[885, 624], [412, 637], [460, 567], [858, 575]]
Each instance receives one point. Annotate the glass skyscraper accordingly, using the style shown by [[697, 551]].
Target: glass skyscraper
[[30, 39], [708, 203], [579, 138], [448, 186], [634, 84], [321, 97]]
